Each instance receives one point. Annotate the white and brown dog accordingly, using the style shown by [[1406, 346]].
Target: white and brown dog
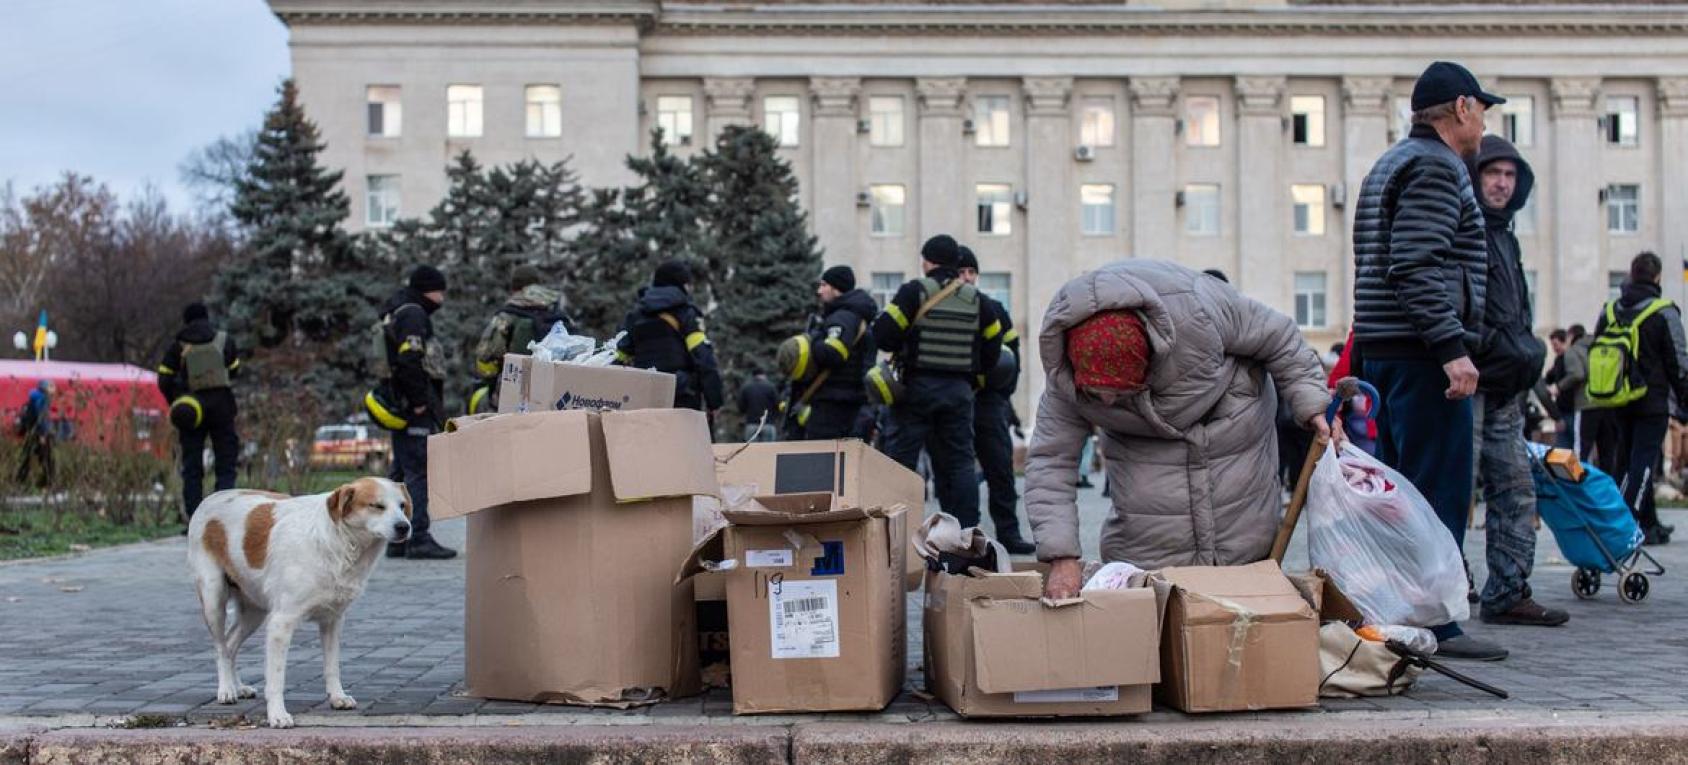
[[290, 560]]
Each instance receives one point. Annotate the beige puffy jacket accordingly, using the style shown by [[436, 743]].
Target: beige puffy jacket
[[1193, 457]]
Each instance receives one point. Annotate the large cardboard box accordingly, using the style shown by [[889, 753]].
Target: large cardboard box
[[815, 603], [857, 474], [1237, 638], [527, 385], [574, 543], [994, 648]]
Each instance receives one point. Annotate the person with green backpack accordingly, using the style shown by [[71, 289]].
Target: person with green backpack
[[527, 317], [1637, 360]]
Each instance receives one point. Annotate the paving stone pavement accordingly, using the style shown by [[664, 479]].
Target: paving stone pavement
[[117, 632]]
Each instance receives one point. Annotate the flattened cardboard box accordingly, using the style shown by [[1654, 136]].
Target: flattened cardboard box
[[574, 544], [857, 474], [815, 604], [1237, 638], [995, 649], [527, 385]]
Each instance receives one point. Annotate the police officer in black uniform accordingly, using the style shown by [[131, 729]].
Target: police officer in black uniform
[[416, 363], [940, 351], [843, 350], [195, 377], [664, 331], [993, 414]]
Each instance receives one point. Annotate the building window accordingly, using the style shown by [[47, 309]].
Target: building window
[[885, 286], [1201, 121], [1307, 120], [544, 111], [995, 207], [1621, 120], [1623, 208], [781, 117], [385, 114], [990, 121], [463, 111], [1518, 120], [886, 209], [1201, 209], [1309, 203], [674, 117], [1310, 299], [1530, 286], [999, 286], [1097, 201], [1096, 124], [885, 121], [1403, 121], [381, 200], [1615, 284]]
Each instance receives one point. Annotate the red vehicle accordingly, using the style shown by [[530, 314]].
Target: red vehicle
[[350, 446], [114, 405]]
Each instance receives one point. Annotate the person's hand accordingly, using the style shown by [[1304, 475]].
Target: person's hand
[[1462, 378], [1064, 579], [1321, 427]]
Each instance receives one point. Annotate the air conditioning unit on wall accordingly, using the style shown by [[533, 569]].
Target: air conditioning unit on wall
[[1338, 196], [1084, 153], [1020, 199], [864, 199], [864, 126], [968, 128]]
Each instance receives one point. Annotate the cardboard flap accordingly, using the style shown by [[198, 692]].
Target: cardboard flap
[[1214, 594], [656, 453], [710, 551], [1020, 584], [1111, 638], [795, 510], [490, 461]]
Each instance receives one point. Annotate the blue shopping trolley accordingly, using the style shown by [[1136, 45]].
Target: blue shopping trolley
[[1595, 530]]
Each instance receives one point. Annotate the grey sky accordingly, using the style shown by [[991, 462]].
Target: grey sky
[[123, 90]]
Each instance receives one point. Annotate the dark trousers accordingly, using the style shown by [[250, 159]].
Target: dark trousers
[[225, 459], [1428, 439], [829, 420], [995, 449], [1599, 437], [1640, 443], [938, 415], [37, 448], [410, 467]]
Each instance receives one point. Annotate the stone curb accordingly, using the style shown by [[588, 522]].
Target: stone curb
[[1231, 740]]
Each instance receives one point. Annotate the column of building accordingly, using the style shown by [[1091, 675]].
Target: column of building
[[1365, 136], [1673, 167], [1154, 172], [1580, 276], [834, 183], [943, 206], [1050, 199], [726, 102], [1262, 198]]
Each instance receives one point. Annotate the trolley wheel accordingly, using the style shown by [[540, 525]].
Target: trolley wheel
[[1634, 588], [1585, 583]]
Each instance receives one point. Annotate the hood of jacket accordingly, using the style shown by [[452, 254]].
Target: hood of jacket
[[407, 295], [855, 301], [1496, 148], [654, 300], [1636, 295], [196, 332]]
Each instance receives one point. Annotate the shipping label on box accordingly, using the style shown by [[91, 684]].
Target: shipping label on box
[[803, 619]]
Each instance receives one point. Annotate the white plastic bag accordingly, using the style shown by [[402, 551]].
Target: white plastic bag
[[1381, 542], [559, 345]]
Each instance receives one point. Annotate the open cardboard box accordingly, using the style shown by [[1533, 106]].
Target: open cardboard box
[[814, 602], [995, 648], [527, 385], [573, 546], [1237, 638]]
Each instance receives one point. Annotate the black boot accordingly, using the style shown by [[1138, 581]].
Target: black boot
[[427, 549], [1015, 544], [396, 549]]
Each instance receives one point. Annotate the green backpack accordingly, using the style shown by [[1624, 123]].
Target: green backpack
[[1614, 379]]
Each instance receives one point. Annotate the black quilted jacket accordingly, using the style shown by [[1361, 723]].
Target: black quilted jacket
[[1421, 263]]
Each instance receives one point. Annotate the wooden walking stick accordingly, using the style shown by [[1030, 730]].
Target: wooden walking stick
[[1346, 389]]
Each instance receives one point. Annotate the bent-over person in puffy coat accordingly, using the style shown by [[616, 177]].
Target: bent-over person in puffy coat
[[1182, 373]]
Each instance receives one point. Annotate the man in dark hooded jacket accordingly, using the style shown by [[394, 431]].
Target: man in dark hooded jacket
[[416, 364], [1509, 358], [844, 351], [1630, 450], [194, 377], [664, 332]]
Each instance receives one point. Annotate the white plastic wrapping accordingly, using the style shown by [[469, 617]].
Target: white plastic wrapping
[[1381, 542], [559, 345]]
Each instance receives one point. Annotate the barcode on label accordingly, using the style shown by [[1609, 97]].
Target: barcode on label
[[806, 604]]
